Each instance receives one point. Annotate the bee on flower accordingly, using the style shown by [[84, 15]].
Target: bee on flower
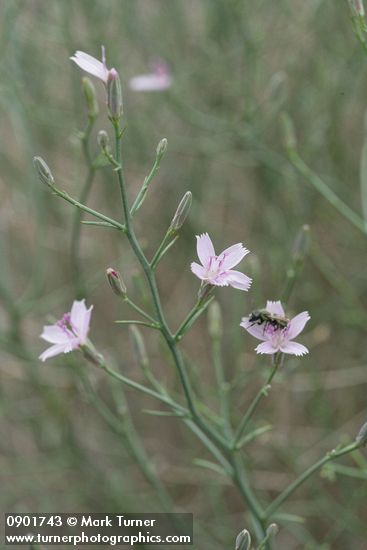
[[276, 331]]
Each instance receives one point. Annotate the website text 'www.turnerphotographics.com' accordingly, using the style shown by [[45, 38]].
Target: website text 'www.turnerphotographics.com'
[[98, 529]]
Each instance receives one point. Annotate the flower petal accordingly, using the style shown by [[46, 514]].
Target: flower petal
[[90, 65], [77, 313], [54, 350], [219, 280], [150, 82], [267, 348], [293, 348], [238, 280], [232, 256], [275, 308], [297, 324], [255, 330], [198, 270], [83, 333], [205, 248], [54, 334], [80, 319]]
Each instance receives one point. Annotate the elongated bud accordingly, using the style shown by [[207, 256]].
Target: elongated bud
[[139, 347], [114, 94], [356, 7], [162, 147], [181, 212], [289, 133], [362, 435], [277, 86], [116, 283], [89, 92], [243, 540], [215, 327], [272, 530], [302, 243], [43, 171], [103, 140]]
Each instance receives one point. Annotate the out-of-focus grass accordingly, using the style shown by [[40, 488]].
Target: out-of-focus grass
[[236, 65]]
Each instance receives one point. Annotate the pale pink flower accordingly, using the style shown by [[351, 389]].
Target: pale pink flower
[[159, 79], [69, 333], [93, 66], [217, 270], [276, 339]]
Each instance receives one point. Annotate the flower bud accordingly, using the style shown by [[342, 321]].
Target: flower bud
[[181, 213], [215, 327], [162, 147], [89, 92], [103, 139], [356, 7], [272, 530], [301, 243], [289, 134], [243, 540], [114, 94], [116, 283], [277, 86], [43, 171], [362, 435], [139, 347]]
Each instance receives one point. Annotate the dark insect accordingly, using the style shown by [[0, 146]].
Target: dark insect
[[264, 317]]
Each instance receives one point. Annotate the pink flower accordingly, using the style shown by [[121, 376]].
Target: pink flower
[[92, 66], [217, 270], [159, 79], [275, 338], [69, 333]]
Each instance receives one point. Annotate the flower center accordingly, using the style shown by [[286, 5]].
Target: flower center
[[277, 335], [212, 270], [215, 266], [65, 324]]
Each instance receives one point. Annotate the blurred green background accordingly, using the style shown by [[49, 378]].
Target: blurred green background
[[236, 65]]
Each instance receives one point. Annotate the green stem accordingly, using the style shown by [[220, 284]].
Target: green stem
[[76, 228], [169, 338], [139, 310], [125, 428], [135, 322], [243, 485], [162, 249], [206, 433], [194, 314], [143, 191], [179, 410], [306, 474], [222, 385], [212, 448], [98, 224], [252, 435], [136, 386], [85, 208], [326, 192], [252, 408]]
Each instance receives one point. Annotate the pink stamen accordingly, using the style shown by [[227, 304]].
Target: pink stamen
[[65, 323]]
